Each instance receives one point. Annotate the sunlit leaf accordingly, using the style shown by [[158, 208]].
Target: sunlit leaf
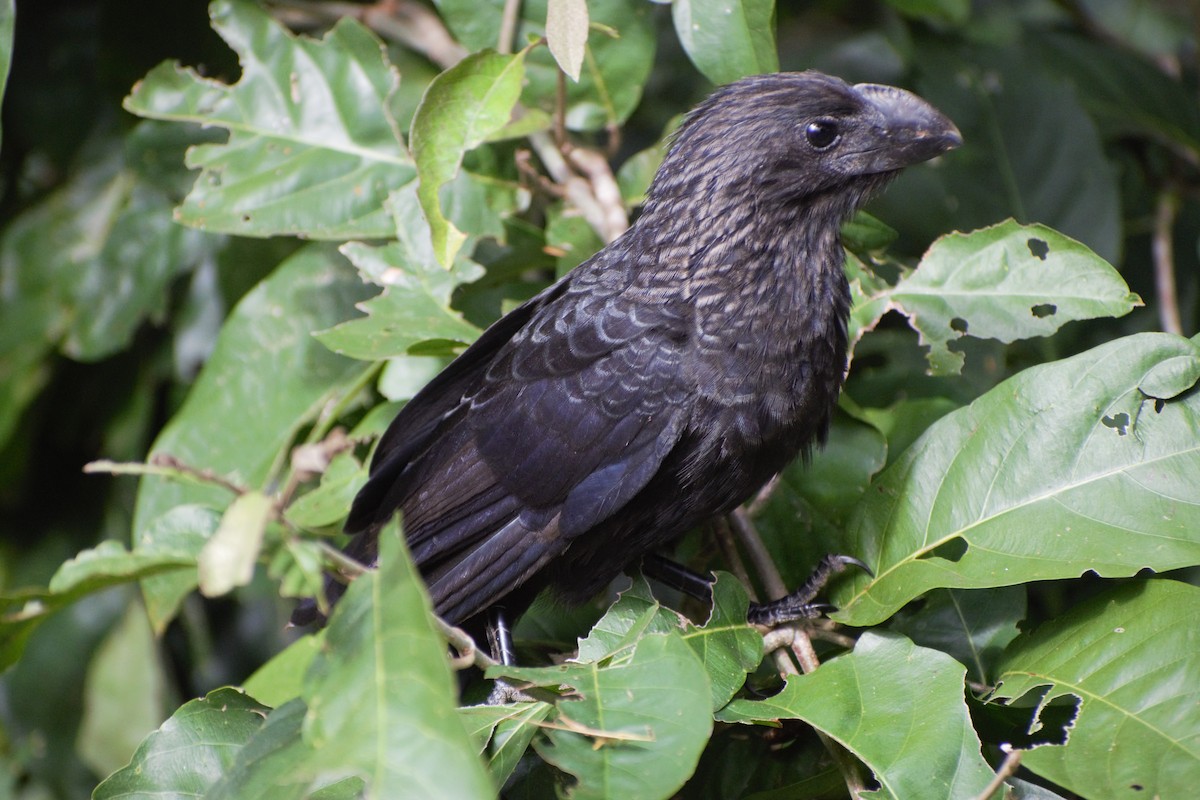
[[1005, 282], [313, 144], [381, 696], [1064, 468], [227, 559], [462, 107]]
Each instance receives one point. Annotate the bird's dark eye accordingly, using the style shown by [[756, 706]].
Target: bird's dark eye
[[821, 133]]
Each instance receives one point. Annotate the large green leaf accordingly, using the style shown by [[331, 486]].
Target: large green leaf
[[381, 696], [1005, 282], [275, 763], [1064, 468], [462, 108], [313, 144], [1009, 167], [190, 752], [83, 268], [266, 378], [727, 39], [1126, 93], [635, 727], [615, 68], [896, 706], [1132, 657]]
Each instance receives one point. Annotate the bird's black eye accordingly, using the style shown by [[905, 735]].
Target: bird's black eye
[[822, 133]]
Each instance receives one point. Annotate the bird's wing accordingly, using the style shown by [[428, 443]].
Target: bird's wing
[[578, 412], [431, 411]]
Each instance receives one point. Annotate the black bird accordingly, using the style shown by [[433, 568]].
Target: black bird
[[667, 378]]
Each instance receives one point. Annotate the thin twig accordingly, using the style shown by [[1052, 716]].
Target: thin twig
[[469, 653], [1008, 767], [508, 26], [1163, 249], [733, 558], [800, 646], [760, 500]]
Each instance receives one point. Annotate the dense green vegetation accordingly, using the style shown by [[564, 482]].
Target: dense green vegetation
[[221, 274]]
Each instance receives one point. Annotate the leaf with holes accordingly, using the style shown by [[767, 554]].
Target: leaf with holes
[[896, 706], [1066, 467], [1005, 282], [313, 146], [1131, 657]]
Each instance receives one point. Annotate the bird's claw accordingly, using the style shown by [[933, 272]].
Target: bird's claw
[[799, 604]]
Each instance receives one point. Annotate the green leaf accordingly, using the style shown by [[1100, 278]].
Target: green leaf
[[973, 626], [381, 696], [1064, 468], [567, 33], [83, 269], [413, 309], [1011, 168], [637, 727], [955, 12], [313, 145], [1125, 93], [725, 644], [615, 67], [227, 559], [190, 752], [266, 379], [1005, 282], [280, 680], [896, 706], [8, 19], [462, 107], [504, 733], [124, 696], [182, 530], [275, 763], [727, 39], [1132, 657], [329, 503]]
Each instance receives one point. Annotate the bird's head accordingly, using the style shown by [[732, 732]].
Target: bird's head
[[796, 135]]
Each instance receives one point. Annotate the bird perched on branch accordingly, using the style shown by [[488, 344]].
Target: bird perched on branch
[[667, 378]]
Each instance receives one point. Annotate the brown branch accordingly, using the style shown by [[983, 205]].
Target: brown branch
[[1007, 768], [800, 646], [508, 26], [1163, 249]]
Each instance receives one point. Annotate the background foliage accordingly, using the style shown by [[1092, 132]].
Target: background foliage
[[237, 243]]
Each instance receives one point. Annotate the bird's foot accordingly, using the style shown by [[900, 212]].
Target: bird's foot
[[799, 604], [504, 693]]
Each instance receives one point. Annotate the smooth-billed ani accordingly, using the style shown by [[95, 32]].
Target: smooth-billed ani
[[665, 379]]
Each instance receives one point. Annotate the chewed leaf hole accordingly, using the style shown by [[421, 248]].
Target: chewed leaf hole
[[1038, 248], [1043, 310], [958, 324], [951, 550], [1118, 422]]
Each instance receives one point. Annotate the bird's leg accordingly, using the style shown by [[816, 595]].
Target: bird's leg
[[796, 606], [500, 639], [677, 576], [799, 604], [500, 636]]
